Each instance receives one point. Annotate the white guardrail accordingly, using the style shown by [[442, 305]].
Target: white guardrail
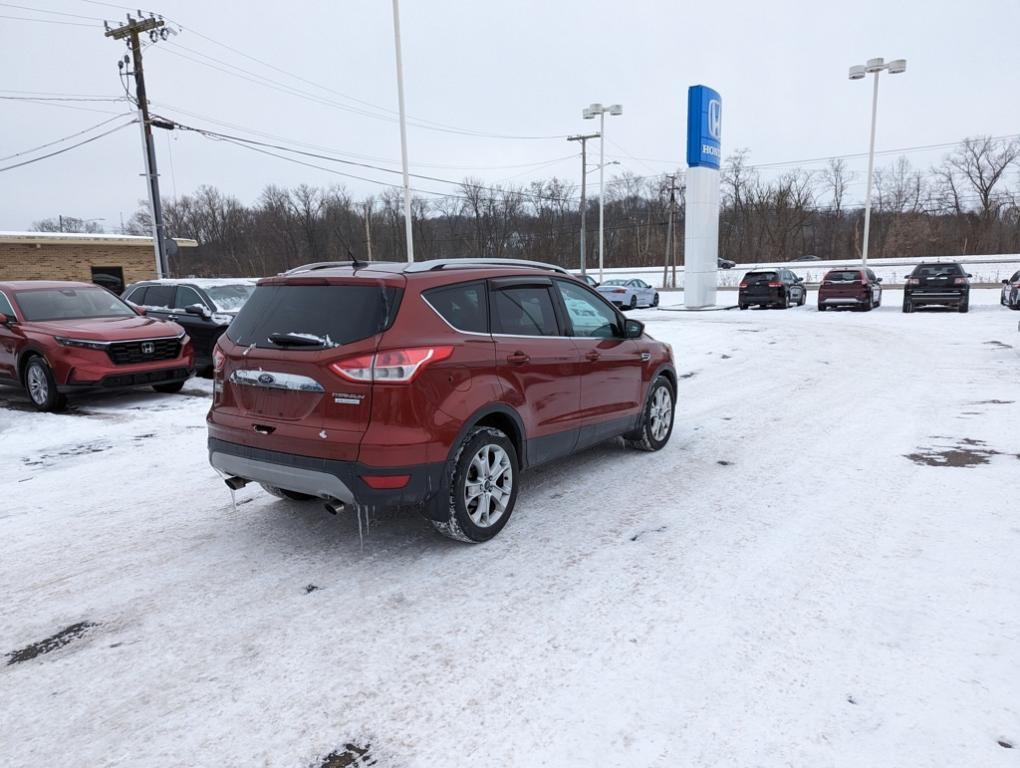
[[986, 270]]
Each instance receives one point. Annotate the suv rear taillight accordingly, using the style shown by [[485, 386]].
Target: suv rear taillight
[[913, 281], [392, 365], [742, 285], [959, 281], [775, 284], [218, 359]]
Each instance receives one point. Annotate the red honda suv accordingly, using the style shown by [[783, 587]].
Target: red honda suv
[[58, 337], [430, 385]]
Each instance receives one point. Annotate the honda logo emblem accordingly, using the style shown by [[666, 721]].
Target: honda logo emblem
[[148, 348], [715, 119]]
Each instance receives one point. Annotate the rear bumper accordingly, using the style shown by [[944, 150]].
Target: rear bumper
[[325, 478], [835, 301], [936, 297]]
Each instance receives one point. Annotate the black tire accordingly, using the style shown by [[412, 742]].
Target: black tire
[[655, 299], [822, 307], [283, 493], [964, 306], [41, 386], [169, 389], [633, 302], [868, 305], [803, 299], [1014, 300], [645, 438], [453, 505], [743, 306], [785, 303], [908, 306]]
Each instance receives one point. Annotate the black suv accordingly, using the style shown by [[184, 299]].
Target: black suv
[[204, 306], [771, 288], [942, 285]]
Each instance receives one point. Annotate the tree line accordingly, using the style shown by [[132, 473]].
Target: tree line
[[969, 203]]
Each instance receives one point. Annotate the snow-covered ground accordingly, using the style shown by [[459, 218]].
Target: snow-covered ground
[[820, 569]]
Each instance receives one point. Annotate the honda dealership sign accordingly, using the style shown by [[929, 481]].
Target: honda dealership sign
[[701, 230], [704, 127]]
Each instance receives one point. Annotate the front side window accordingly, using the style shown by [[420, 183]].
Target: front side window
[[524, 311], [186, 297], [589, 316], [462, 306], [70, 304], [5, 307]]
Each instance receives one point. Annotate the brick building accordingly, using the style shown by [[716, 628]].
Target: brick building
[[113, 261]]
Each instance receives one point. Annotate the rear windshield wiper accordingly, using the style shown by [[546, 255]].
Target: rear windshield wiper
[[300, 340]]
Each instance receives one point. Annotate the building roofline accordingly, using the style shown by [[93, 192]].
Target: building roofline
[[77, 238]]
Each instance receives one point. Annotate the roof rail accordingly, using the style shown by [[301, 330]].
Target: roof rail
[[317, 265], [434, 264]]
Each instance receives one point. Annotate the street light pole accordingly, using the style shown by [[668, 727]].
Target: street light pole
[[408, 230], [857, 72], [588, 114]]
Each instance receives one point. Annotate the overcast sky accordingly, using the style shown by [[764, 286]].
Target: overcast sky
[[515, 69]]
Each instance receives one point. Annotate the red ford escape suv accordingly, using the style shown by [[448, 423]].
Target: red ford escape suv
[[855, 288], [58, 337], [431, 385]]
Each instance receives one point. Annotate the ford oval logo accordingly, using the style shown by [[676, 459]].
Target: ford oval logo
[[266, 378]]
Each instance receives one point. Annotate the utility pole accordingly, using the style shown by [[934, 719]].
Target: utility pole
[[670, 256], [130, 31], [583, 138], [368, 227], [408, 228]]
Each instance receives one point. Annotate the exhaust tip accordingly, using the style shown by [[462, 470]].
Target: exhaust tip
[[235, 483], [334, 507]]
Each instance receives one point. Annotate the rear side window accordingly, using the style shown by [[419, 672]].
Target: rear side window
[[843, 276], [318, 316], [463, 306], [186, 297], [524, 311]]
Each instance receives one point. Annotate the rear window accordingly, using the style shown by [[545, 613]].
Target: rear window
[[316, 315], [755, 276], [843, 276], [462, 306], [70, 304], [229, 298], [938, 270]]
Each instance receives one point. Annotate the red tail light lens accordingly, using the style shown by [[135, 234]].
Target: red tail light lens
[[218, 360], [959, 281], [913, 281], [392, 365], [619, 290], [775, 284], [742, 285]]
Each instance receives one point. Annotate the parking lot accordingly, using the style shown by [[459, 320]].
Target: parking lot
[[819, 569]]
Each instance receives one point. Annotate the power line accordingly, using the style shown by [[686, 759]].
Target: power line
[[60, 98], [67, 149], [49, 21], [61, 105], [55, 13], [65, 138]]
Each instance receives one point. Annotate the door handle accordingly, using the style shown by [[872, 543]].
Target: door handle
[[592, 355], [517, 358]]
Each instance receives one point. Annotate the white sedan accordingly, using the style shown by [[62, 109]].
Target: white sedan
[[629, 294]]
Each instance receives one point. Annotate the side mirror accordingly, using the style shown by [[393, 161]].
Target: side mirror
[[200, 310], [633, 329], [138, 310], [1005, 282], [969, 275], [878, 279], [4, 319], [799, 279]]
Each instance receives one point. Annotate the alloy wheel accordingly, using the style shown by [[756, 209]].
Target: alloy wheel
[[660, 414], [38, 386], [488, 485]]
